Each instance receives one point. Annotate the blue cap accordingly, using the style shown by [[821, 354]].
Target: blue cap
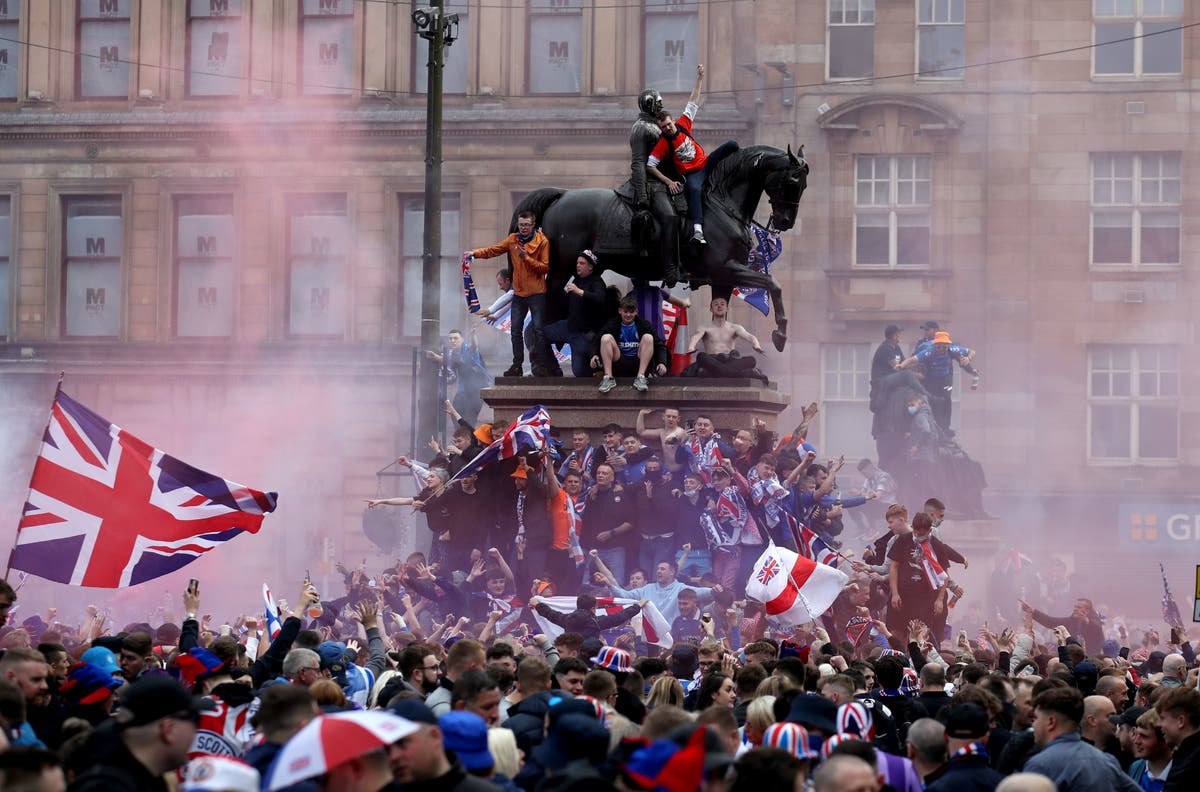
[[104, 658], [465, 733]]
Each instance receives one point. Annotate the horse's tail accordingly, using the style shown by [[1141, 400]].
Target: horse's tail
[[537, 202]]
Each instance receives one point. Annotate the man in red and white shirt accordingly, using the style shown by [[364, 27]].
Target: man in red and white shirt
[[686, 156]]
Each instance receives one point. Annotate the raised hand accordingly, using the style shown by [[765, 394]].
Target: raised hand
[[367, 612]]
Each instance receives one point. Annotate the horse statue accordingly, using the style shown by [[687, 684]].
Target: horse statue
[[602, 220]]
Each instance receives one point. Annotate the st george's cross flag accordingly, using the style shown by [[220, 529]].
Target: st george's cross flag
[[107, 510], [794, 589]]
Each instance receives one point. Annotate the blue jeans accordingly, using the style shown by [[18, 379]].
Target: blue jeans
[[693, 183], [654, 550], [614, 559], [535, 306], [581, 346]]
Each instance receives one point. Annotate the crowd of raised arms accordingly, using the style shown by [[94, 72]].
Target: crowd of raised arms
[[580, 621]]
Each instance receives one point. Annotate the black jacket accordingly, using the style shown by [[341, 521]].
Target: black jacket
[[1090, 631], [1185, 766], [613, 328], [586, 622], [457, 780], [113, 768], [585, 312], [964, 774]]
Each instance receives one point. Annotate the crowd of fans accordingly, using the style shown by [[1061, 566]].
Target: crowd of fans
[[517, 653]]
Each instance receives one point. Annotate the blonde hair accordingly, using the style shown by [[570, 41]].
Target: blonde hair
[[761, 713], [666, 691], [502, 744]]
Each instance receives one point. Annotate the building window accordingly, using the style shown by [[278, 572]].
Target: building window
[[103, 46], [892, 211], [555, 46], [1135, 38], [845, 399], [1133, 403], [91, 279], [10, 50], [851, 39], [319, 244], [672, 45], [215, 47], [327, 47], [1136, 210], [454, 74], [204, 266], [941, 38], [412, 246], [5, 269]]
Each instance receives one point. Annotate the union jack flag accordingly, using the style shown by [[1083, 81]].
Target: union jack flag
[[108, 510], [809, 544], [856, 628], [767, 249], [769, 570], [530, 432]]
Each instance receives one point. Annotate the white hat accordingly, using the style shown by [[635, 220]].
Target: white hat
[[219, 774]]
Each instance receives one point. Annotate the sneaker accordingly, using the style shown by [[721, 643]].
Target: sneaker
[[639, 383], [514, 371], [698, 237], [607, 384]]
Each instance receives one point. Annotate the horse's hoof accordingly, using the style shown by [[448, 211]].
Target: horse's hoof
[[779, 340]]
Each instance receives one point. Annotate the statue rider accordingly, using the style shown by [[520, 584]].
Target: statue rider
[[643, 135]]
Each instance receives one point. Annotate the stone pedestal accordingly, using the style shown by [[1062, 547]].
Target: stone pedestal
[[574, 402]]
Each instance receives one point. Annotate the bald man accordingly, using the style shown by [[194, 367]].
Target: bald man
[[1026, 782], [1115, 690], [1096, 728], [844, 773], [1174, 671]]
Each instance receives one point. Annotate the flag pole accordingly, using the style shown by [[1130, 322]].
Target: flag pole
[[45, 429]]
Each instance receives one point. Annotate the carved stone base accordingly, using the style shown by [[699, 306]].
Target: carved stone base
[[574, 402]]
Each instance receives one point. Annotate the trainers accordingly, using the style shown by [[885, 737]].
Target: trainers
[[639, 383], [698, 237], [514, 370], [607, 384]]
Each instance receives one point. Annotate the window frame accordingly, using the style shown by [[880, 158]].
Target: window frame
[[177, 259], [65, 200], [893, 209], [830, 25], [1139, 19], [295, 205], [17, 49], [456, 196], [533, 14], [130, 57], [943, 75], [240, 79], [355, 71], [862, 378], [8, 256], [647, 13], [1137, 208], [1134, 400], [420, 51]]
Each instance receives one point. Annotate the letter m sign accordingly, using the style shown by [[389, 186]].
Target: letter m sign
[[206, 245], [559, 49], [327, 53], [110, 54], [94, 298], [109, 6], [673, 48], [320, 246], [95, 246]]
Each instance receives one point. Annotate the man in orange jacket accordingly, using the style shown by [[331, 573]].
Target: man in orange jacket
[[529, 256]]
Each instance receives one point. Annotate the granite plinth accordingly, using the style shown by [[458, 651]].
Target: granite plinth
[[575, 402]]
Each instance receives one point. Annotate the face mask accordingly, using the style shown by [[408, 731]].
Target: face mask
[[912, 409]]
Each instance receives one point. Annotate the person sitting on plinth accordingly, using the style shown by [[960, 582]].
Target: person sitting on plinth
[[717, 357], [629, 345]]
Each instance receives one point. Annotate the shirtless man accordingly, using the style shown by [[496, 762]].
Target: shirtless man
[[719, 358], [669, 436]]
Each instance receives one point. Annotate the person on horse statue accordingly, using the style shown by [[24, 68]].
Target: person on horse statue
[[686, 154], [643, 136]]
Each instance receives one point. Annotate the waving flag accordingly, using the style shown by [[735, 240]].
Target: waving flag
[[811, 545], [503, 322], [793, 588], [271, 610], [649, 622], [857, 628], [107, 510], [469, 285], [767, 248], [934, 574], [510, 608], [530, 432]]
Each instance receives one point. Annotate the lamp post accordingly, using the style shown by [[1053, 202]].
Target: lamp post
[[439, 30]]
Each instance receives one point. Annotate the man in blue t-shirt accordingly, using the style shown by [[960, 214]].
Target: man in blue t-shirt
[[938, 359], [629, 346]]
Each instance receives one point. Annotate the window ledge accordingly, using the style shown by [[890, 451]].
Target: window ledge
[[890, 274], [1117, 463], [1120, 272]]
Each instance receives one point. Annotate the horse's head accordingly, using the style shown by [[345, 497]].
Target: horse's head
[[784, 187]]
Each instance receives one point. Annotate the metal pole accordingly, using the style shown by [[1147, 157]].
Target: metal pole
[[431, 280]]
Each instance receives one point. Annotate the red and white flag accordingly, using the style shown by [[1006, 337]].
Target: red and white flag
[[649, 623], [934, 574], [793, 588]]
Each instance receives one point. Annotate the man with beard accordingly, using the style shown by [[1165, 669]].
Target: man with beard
[[420, 668]]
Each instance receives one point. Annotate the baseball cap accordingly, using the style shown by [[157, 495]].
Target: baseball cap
[[890, 329], [154, 698], [815, 712], [1129, 717], [331, 653], [931, 325], [465, 733], [966, 722], [575, 736], [101, 657], [413, 710]]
